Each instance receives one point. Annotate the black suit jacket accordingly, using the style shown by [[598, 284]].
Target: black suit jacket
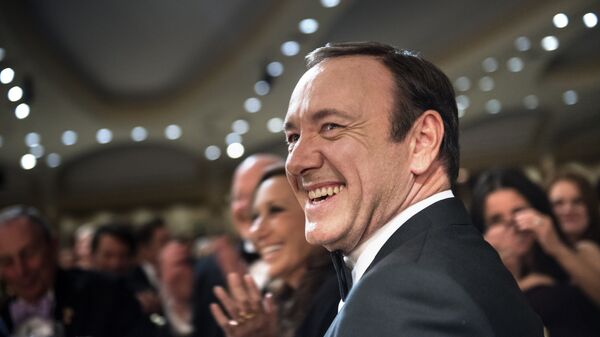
[[207, 275], [91, 304], [436, 276]]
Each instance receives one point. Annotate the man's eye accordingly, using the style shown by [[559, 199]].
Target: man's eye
[[292, 138], [330, 126]]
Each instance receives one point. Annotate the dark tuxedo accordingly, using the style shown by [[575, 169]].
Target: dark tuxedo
[[436, 276], [91, 304]]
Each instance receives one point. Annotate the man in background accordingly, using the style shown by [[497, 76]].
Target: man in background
[[70, 302], [113, 249], [143, 279]]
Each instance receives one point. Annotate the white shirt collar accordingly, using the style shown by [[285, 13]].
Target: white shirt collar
[[363, 255]]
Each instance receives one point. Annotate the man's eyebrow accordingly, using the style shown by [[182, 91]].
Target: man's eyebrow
[[324, 113], [318, 116]]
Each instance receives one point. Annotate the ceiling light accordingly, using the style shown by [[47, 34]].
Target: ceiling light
[[531, 102], [15, 93], [489, 65], [290, 48], [252, 105], [463, 102], [493, 106], [515, 64], [308, 26], [486, 83], [212, 152], [173, 132], [275, 69], [330, 3], [550, 43], [104, 136], [262, 88], [462, 83], [590, 20], [139, 133], [22, 111], [522, 43], [570, 97], [240, 126], [235, 150], [560, 20], [28, 161], [37, 151], [275, 125], [53, 160], [32, 139], [69, 137], [233, 138], [7, 75]]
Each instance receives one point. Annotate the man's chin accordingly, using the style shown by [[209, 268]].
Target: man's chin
[[327, 240]]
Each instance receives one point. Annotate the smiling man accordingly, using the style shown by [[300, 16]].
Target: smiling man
[[373, 153]]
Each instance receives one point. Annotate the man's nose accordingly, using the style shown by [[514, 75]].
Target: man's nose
[[304, 156]]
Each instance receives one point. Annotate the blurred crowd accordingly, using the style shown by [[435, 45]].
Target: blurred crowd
[[124, 280]]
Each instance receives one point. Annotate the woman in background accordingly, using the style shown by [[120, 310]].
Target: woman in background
[[306, 299], [576, 207], [519, 223]]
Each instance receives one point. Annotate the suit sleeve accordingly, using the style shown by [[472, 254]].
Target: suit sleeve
[[409, 301], [207, 276]]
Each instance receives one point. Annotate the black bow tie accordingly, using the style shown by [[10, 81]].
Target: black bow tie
[[344, 275]]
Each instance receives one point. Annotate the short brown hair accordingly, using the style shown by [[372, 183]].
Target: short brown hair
[[420, 86]]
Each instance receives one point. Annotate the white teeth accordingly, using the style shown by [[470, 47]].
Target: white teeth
[[325, 191], [270, 249]]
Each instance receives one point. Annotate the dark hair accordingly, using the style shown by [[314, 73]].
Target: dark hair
[[32, 214], [420, 86], [497, 179], [121, 232], [146, 231], [294, 304], [589, 198], [272, 171]]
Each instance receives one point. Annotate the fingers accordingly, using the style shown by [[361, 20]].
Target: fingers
[[219, 315], [532, 220], [239, 292], [254, 295], [227, 302]]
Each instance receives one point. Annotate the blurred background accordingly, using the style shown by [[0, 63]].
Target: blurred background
[[142, 108]]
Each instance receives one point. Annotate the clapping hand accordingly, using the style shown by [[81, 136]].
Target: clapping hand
[[246, 312]]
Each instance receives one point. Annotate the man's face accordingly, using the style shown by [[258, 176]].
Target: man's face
[[176, 271], [160, 237], [346, 172], [242, 191], [112, 255], [27, 260]]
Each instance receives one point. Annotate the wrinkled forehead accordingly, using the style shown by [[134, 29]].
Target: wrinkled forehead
[[344, 80], [20, 232]]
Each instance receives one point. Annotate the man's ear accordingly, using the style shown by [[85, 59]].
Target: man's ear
[[427, 134]]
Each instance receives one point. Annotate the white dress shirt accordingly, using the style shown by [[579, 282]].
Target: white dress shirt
[[363, 255]]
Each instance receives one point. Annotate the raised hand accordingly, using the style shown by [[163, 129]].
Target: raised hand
[[244, 312]]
